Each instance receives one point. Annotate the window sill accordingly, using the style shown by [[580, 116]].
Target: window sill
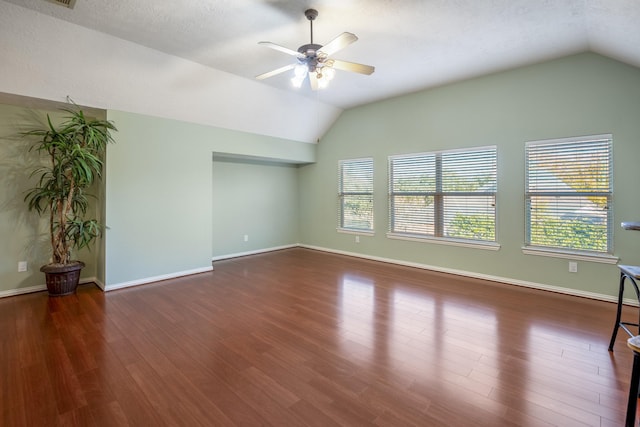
[[490, 246], [356, 231], [566, 254]]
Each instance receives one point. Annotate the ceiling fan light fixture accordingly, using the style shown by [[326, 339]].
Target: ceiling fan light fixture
[[314, 59], [323, 83], [297, 81], [301, 70], [328, 73]]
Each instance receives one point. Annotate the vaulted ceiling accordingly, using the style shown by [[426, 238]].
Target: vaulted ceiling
[[414, 44]]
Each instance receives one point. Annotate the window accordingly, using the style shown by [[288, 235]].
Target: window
[[568, 193], [448, 194], [355, 194]]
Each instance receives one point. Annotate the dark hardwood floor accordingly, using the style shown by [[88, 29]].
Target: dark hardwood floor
[[305, 338]]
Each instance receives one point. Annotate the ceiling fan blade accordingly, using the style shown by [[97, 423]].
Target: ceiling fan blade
[[313, 80], [282, 49], [275, 72], [340, 42], [352, 66]]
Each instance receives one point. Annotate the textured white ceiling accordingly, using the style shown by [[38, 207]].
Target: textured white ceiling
[[414, 44]]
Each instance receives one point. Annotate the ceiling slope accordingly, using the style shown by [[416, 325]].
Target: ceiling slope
[[414, 44]]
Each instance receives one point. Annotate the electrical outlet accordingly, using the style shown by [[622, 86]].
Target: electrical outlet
[[573, 267], [246, 237], [22, 266], [357, 239]]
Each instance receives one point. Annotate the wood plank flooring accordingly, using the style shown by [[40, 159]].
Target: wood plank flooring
[[304, 338]]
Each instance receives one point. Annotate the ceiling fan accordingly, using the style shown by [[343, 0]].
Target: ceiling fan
[[315, 60]]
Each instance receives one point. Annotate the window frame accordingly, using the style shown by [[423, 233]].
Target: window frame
[[439, 196], [577, 253], [342, 194]]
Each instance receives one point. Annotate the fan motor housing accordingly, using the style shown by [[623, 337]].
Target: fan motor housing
[[311, 14], [309, 49]]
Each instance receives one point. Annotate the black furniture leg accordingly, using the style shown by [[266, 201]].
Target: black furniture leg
[[633, 392], [618, 313]]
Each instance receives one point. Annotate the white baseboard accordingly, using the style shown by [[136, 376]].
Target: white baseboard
[[257, 251], [21, 291], [98, 283], [147, 280], [506, 280], [40, 288]]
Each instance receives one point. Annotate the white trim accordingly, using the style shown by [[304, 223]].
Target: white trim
[[583, 138], [85, 280], [21, 291], [153, 279], [40, 288], [499, 279], [99, 284], [491, 246], [147, 280], [357, 159], [444, 151], [257, 251], [355, 231], [578, 256]]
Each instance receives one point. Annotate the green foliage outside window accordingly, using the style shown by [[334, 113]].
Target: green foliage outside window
[[357, 212], [478, 227], [576, 234]]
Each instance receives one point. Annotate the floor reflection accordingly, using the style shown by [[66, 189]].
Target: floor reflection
[[339, 340], [356, 302]]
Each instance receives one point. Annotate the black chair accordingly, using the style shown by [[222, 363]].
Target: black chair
[[631, 273], [633, 344]]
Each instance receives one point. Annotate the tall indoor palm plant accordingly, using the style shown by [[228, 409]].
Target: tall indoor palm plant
[[74, 151]]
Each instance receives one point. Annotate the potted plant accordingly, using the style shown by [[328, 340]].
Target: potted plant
[[74, 151]]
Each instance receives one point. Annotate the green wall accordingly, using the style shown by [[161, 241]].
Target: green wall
[[578, 95], [256, 199], [168, 210], [178, 194], [165, 215]]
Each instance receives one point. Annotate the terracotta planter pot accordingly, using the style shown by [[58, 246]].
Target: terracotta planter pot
[[62, 279]]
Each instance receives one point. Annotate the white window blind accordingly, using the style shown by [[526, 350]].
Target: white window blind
[[449, 194], [355, 194], [568, 195]]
